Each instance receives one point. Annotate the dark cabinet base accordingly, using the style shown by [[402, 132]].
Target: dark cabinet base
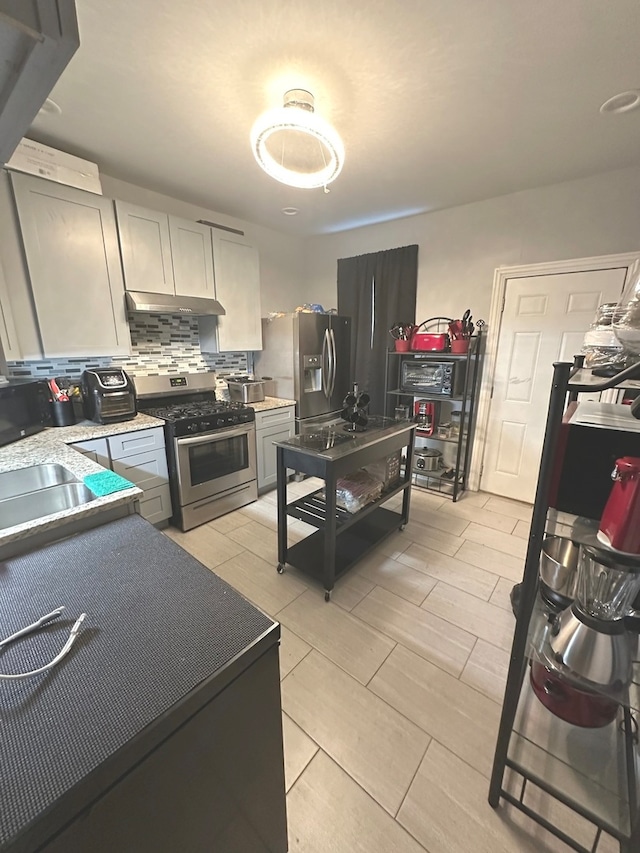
[[216, 784]]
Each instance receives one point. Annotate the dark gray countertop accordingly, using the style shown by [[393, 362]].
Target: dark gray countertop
[[158, 625], [334, 442]]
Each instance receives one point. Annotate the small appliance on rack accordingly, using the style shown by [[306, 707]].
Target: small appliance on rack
[[433, 339], [211, 445], [589, 637], [108, 395], [444, 378], [424, 414]]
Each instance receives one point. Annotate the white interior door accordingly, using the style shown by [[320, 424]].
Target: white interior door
[[544, 320]]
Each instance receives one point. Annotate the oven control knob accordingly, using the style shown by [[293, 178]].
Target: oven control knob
[[220, 422], [192, 427], [234, 419], [205, 425]]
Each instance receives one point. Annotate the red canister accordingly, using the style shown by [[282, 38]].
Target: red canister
[[620, 523], [431, 340]]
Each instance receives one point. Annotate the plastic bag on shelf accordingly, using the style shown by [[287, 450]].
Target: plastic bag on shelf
[[356, 490]]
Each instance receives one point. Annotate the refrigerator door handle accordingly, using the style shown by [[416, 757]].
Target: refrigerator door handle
[[333, 361], [326, 365]]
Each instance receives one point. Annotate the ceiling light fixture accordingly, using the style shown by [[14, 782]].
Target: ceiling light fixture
[[290, 211], [50, 108], [294, 134], [624, 102]]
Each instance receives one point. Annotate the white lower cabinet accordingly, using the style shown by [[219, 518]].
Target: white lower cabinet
[[140, 457], [272, 425], [96, 449]]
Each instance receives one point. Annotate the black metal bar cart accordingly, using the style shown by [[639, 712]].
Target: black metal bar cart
[[593, 772], [341, 538]]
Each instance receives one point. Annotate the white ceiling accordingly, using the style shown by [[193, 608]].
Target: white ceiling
[[439, 102]]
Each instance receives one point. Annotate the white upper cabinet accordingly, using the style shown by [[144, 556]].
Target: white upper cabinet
[[71, 249], [164, 254], [237, 272], [192, 258], [145, 246], [8, 335], [37, 40]]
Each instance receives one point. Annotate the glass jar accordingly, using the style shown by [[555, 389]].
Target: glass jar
[[455, 423], [626, 320], [600, 345]]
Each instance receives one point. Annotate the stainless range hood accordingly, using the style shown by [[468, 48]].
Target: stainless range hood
[[167, 303]]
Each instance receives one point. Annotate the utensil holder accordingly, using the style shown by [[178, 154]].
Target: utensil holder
[[460, 346], [62, 413], [402, 346]]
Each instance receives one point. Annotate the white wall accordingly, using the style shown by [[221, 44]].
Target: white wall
[[281, 256], [461, 247]]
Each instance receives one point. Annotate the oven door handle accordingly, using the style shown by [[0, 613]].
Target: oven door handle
[[208, 437]]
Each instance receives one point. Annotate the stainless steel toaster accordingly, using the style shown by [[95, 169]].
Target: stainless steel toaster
[[108, 395]]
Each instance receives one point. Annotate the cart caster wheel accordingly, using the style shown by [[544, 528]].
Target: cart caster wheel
[[327, 596], [402, 527], [280, 568]]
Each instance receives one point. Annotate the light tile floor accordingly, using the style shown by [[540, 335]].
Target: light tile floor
[[391, 692]]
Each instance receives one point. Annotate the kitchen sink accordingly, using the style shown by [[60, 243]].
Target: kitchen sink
[[47, 500], [25, 481]]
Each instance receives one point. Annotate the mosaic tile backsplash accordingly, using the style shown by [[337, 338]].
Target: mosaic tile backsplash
[[160, 344]]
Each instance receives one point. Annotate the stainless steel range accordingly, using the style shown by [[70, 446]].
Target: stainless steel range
[[211, 445]]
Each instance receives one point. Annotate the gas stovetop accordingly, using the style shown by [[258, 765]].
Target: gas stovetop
[[187, 403], [173, 412], [200, 416]]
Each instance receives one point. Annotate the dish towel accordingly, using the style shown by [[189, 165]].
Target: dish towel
[[106, 482]]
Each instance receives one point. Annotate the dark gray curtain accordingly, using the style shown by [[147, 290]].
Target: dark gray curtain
[[376, 290]]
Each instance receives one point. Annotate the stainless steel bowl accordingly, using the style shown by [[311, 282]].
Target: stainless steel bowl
[[559, 569]]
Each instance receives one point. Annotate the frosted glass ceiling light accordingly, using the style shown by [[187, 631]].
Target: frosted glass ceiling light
[[295, 146]]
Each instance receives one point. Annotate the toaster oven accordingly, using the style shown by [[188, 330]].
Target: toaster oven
[[441, 378]]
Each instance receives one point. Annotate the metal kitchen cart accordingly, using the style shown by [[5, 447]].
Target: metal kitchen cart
[[593, 773], [451, 480], [341, 538]]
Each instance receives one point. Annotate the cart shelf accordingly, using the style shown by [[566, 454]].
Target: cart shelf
[[352, 545], [312, 509], [439, 438], [435, 397], [582, 531], [583, 768]]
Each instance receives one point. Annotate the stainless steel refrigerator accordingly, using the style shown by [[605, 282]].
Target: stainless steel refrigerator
[[308, 357]]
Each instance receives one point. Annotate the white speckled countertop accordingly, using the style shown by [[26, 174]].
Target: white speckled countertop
[[51, 445], [271, 403]]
